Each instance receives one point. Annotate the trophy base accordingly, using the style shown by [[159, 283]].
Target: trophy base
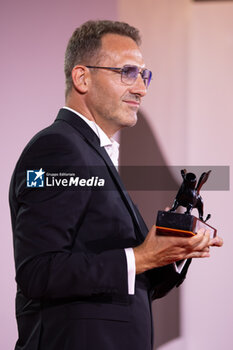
[[184, 225]]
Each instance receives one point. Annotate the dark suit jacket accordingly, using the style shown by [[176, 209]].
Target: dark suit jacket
[[71, 270]]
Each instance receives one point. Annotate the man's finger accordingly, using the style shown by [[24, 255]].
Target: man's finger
[[198, 254], [200, 240], [216, 241]]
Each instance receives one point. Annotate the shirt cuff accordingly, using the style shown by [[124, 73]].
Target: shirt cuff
[[179, 265], [131, 268]]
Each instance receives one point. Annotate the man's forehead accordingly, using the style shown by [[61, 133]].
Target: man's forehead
[[120, 48]]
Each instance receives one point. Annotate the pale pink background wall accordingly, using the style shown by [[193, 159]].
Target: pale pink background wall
[[189, 47], [189, 106], [209, 311], [34, 35]]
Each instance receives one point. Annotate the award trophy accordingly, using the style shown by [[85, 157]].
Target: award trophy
[[171, 223]]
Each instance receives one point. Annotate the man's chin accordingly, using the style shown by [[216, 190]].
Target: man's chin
[[128, 121], [129, 124], [133, 120]]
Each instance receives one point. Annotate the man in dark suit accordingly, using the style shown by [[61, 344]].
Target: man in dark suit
[[87, 268]]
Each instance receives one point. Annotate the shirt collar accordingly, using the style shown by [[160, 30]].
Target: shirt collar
[[104, 139]]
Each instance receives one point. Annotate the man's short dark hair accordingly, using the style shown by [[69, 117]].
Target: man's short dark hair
[[85, 43]]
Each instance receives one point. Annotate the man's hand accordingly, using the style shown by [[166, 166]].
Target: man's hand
[[158, 251]]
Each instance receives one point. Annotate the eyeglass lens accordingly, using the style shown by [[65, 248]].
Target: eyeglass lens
[[130, 74]]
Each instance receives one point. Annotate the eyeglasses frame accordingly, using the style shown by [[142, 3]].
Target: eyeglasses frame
[[119, 70]]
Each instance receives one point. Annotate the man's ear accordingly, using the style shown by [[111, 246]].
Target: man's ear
[[80, 77]]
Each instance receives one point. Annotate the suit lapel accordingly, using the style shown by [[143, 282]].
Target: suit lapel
[[93, 140], [121, 187]]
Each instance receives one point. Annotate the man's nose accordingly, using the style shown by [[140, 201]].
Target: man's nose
[[139, 87]]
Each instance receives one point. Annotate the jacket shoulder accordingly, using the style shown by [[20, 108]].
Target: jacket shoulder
[[57, 133]]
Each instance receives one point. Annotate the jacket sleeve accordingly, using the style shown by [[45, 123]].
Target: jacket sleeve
[[45, 226], [164, 279]]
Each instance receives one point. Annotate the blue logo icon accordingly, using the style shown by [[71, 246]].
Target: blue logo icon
[[35, 178]]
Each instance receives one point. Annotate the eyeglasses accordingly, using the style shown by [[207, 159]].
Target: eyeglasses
[[130, 73]]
